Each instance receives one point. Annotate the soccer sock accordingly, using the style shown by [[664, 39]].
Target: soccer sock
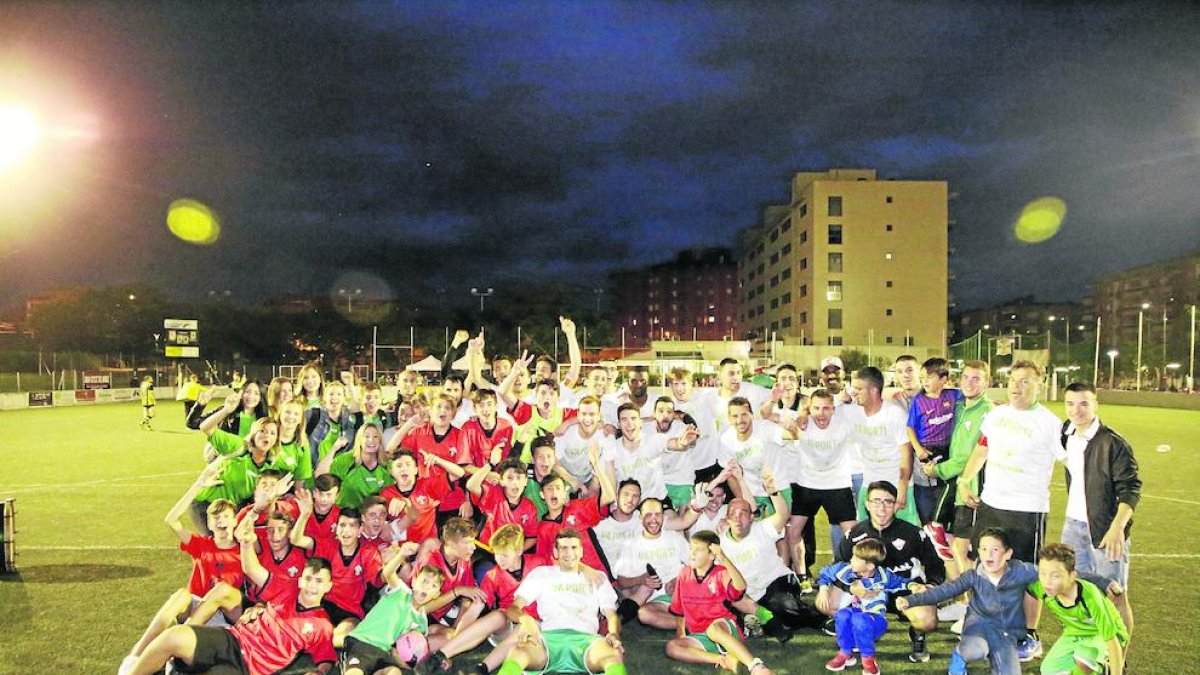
[[482, 668], [764, 615], [917, 637], [615, 669], [509, 667], [1031, 634]]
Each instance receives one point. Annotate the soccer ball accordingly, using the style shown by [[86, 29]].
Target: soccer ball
[[412, 648]]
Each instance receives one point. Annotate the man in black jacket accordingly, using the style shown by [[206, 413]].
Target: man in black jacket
[[1103, 489], [910, 555]]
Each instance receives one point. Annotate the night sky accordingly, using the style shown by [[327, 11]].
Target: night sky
[[404, 147]]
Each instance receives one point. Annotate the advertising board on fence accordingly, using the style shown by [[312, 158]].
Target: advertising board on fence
[[85, 395], [94, 380], [41, 399]]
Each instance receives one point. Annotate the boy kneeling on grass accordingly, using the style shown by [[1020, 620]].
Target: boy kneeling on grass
[[863, 618], [1093, 633], [995, 618], [707, 630]]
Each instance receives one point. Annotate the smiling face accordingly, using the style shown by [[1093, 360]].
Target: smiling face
[[973, 382], [664, 414], [335, 396], [881, 506], [1081, 408], [631, 423], [742, 419], [568, 551], [588, 415], [267, 435], [831, 378], [251, 395], [820, 411], [652, 517], [222, 522], [597, 382], [681, 388], [290, 415], [277, 534], [788, 381], [347, 532], [314, 584], [372, 440], [628, 498], [311, 382], [1024, 385], [731, 376], [740, 517], [861, 395]]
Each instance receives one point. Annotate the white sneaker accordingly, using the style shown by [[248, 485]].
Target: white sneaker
[[952, 612], [957, 627], [127, 664]]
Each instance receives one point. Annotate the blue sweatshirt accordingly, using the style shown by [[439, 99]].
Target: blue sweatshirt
[[884, 581], [999, 604]]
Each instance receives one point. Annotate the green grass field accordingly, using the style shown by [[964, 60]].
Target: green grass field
[[96, 561]]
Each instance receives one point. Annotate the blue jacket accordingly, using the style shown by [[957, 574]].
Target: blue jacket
[[884, 581], [999, 604]]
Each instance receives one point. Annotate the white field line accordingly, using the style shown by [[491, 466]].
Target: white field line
[[33, 487], [1167, 499]]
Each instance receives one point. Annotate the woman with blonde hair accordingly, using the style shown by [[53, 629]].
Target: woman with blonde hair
[[294, 456], [280, 391], [310, 385], [362, 470], [244, 459]]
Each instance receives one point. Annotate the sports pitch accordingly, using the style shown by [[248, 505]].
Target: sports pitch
[[95, 560]]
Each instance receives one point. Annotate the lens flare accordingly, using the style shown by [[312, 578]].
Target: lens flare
[[19, 134], [1040, 220], [193, 222]]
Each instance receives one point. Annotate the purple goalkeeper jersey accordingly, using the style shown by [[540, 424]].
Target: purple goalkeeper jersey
[[932, 419]]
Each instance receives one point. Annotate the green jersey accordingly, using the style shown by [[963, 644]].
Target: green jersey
[[358, 482], [393, 616], [1093, 614], [534, 492], [226, 443], [968, 416], [147, 394], [245, 421], [293, 458], [335, 432], [238, 479]]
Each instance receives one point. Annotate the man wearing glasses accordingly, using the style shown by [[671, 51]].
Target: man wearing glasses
[[910, 555]]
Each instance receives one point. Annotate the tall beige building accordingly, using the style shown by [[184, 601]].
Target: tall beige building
[[852, 260]]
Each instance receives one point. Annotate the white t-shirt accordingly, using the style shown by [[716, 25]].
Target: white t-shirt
[[879, 438], [820, 460], [642, 463], [676, 465], [699, 406], [466, 410], [718, 405], [1076, 491], [707, 522], [667, 553], [614, 536], [567, 600], [1022, 448], [756, 557], [758, 452], [571, 449]]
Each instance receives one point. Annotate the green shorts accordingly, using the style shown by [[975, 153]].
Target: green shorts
[[680, 495], [707, 642], [566, 650], [664, 599], [908, 513], [1090, 650], [766, 509]]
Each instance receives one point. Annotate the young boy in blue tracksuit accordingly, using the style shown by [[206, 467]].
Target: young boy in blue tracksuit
[[995, 619], [863, 618]]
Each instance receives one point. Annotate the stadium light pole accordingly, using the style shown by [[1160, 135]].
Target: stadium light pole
[[1112, 366], [1138, 375], [349, 295], [482, 293]]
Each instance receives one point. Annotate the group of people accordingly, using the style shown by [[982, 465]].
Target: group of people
[[543, 514]]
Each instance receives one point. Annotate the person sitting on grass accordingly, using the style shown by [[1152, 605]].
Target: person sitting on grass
[[268, 637], [995, 619], [707, 631], [503, 504], [413, 499], [460, 602], [1094, 636], [400, 610], [354, 566], [216, 570], [363, 472], [570, 597], [499, 586], [862, 619]]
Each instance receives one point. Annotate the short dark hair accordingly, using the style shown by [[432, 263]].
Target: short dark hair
[[1060, 552], [1081, 386], [726, 361], [454, 377], [871, 550], [511, 463], [326, 482], [371, 502], [629, 481], [567, 533], [351, 513], [786, 366], [884, 485], [664, 399], [996, 533], [871, 376], [546, 358], [541, 441], [628, 406], [315, 564], [547, 382], [936, 365], [707, 537], [906, 357], [821, 393], [739, 401], [269, 473]]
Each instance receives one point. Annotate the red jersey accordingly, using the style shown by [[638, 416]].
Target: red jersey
[[479, 442], [287, 569], [381, 541], [495, 505], [286, 505], [500, 585], [351, 574], [522, 412], [701, 601], [583, 515], [423, 500], [459, 575], [320, 528], [450, 446], [280, 633], [211, 564]]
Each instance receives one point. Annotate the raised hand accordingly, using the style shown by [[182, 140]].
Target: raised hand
[[304, 500], [567, 325]]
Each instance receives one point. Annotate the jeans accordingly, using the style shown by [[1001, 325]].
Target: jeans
[[858, 629], [927, 501], [1091, 560], [982, 639]]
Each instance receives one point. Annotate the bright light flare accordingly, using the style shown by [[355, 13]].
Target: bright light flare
[[20, 132], [193, 222], [1040, 220]]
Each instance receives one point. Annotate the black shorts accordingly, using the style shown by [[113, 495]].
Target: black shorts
[[338, 614], [1026, 530], [838, 504], [943, 510], [964, 522], [366, 657], [708, 473], [217, 652]]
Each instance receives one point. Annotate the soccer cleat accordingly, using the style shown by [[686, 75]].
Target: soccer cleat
[[958, 665], [937, 535], [869, 665], [920, 654], [839, 663], [1028, 649], [751, 626]]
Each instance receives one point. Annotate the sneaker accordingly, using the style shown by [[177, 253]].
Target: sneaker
[[840, 662], [751, 626], [958, 665], [830, 628], [869, 665], [806, 586], [127, 664], [1029, 649], [919, 653], [937, 535], [957, 627]]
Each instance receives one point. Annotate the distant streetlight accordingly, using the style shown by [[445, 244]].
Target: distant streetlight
[[1112, 365], [482, 293], [1138, 374], [349, 295]]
